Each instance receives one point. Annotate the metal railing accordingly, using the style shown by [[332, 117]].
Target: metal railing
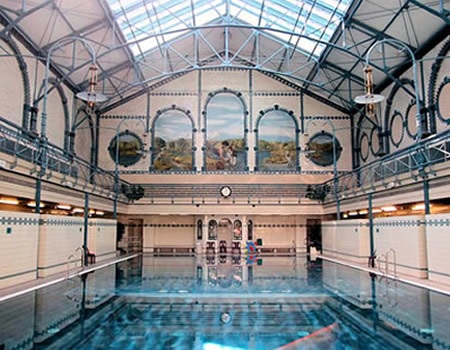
[[415, 162], [56, 164]]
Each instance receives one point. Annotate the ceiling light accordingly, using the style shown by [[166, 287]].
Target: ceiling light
[[63, 207], [91, 211], [376, 210], [353, 213], [99, 212], [77, 210], [32, 204], [363, 212], [345, 216], [419, 206], [389, 208], [12, 201]]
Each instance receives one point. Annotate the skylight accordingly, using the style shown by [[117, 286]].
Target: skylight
[[316, 19]]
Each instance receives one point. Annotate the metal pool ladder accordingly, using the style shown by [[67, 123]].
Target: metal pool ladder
[[72, 258], [390, 253]]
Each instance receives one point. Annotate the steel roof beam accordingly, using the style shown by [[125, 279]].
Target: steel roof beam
[[441, 15], [418, 53]]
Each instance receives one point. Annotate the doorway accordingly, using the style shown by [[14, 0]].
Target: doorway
[[313, 235], [135, 235], [225, 233]]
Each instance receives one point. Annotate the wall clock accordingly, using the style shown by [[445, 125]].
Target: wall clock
[[225, 191]]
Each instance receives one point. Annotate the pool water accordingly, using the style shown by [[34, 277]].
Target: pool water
[[226, 303]]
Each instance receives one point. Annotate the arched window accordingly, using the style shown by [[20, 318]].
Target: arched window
[[172, 141], [321, 151], [199, 230], [212, 230], [277, 140], [250, 230], [225, 138]]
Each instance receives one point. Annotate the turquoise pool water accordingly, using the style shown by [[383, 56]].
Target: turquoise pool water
[[226, 303]]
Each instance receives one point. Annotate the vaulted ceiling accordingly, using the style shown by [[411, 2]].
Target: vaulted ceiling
[[315, 45]]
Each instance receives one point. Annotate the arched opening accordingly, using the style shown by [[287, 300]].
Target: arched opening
[[225, 233], [277, 140], [225, 127], [173, 140]]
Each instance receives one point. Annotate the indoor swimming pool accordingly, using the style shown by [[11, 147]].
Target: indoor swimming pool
[[229, 303]]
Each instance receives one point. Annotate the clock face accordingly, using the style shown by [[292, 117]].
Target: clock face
[[225, 191]]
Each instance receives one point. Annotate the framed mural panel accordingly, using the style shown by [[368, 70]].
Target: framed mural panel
[[320, 149], [277, 141], [131, 148], [225, 117], [172, 142]]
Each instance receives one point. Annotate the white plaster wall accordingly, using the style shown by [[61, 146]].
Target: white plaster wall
[[11, 87], [18, 250], [11, 95], [59, 237], [283, 237], [102, 235], [407, 238], [438, 247], [83, 141], [170, 236]]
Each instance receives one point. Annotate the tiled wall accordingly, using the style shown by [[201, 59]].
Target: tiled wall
[[18, 242], [438, 247], [102, 238], [59, 237], [406, 235], [347, 240], [168, 231]]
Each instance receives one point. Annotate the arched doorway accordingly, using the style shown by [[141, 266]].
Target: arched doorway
[[225, 233]]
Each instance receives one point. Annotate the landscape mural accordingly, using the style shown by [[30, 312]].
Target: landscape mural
[[130, 149], [225, 148], [277, 142], [172, 145]]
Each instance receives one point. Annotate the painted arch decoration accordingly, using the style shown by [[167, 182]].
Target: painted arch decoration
[[225, 120], [173, 140], [277, 140]]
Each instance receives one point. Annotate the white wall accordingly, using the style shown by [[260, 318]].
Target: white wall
[[59, 237], [102, 235], [18, 249], [174, 231], [438, 247], [347, 239], [406, 235]]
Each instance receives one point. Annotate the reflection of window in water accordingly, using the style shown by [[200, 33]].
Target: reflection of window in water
[[237, 230], [212, 276], [199, 229], [320, 149], [250, 230], [212, 229]]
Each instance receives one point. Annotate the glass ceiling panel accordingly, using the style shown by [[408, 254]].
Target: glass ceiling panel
[[316, 19]]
